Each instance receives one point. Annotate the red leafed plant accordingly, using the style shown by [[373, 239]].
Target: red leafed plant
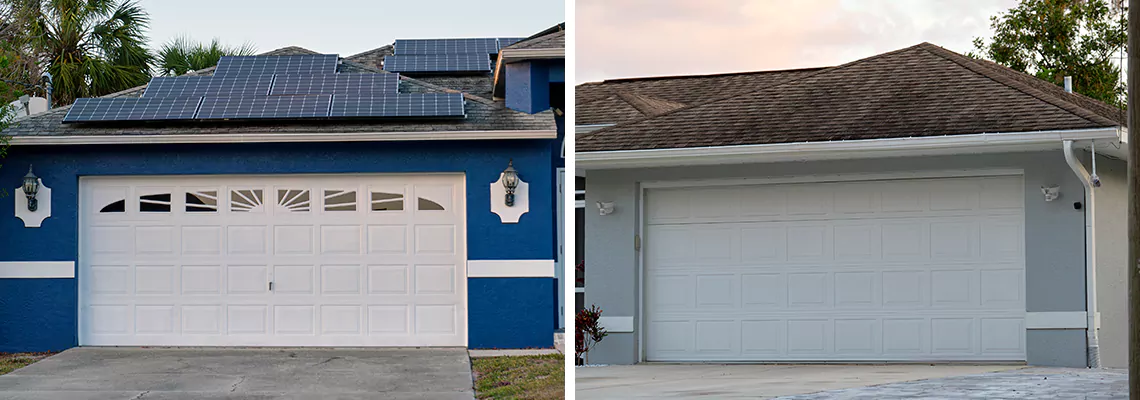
[[588, 332]]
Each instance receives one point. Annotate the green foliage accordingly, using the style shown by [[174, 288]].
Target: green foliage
[[91, 47], [588, 331], [181, 55], [1052, 39]]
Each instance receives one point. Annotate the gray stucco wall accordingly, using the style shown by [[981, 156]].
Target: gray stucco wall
[[1054, 239], [1111, 259]]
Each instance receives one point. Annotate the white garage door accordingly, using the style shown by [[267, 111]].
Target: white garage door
[[316, 260], [923, 269]]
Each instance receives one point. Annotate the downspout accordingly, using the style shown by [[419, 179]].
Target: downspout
[[1093, 345]]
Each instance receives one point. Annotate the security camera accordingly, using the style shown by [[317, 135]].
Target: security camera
[[1094, 180]]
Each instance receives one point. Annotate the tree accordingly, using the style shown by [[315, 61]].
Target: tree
[[1052, 39], [181, 55], [91, 47]]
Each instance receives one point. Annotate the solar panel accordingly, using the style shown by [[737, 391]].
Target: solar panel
[[402, 105], [335, 84], [267, 65], [446, 46], [477, 62], [217, 86], [504, 42], [268, 107], [132, 109]]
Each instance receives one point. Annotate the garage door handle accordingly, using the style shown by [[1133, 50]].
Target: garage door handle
[[270, 286]]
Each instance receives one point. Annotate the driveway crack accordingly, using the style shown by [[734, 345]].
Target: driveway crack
[[239, 382], [325, 361], [141, 395]]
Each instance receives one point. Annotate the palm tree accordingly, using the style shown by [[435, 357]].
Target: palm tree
[[91, 47], [181, 55]]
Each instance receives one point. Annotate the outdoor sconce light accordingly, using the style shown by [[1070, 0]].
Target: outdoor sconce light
[[1051, 192], [605, 207], [31, 187], [510, 182]]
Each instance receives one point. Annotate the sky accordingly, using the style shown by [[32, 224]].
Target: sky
[[631, 38], [346, 27]]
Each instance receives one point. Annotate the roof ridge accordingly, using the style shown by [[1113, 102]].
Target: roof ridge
[[369, 51], [712, 75], [748, 93], [975, 67]]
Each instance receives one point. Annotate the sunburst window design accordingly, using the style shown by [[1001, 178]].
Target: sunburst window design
[[159, 202], [115, 207], [293, 200], [340, 200], [202, 201], [428, 205], [246, 200], [382, 201]]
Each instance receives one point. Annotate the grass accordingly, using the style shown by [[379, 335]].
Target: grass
[[525, 377], [13, 361]]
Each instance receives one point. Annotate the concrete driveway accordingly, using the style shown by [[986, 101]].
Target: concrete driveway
[[750, 381], [261, 374]]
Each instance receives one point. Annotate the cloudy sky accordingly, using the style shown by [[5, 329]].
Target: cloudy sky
[[628, 38], [346, 27]]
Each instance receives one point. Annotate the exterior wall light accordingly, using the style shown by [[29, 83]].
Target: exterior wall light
[[510, 182], [31, 187]]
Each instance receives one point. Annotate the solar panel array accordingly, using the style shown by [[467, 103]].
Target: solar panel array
[[271, 88], [335, 84], [132, 109], [446, 46], [445, 55], [477, 62], [189, 86], [318, 64], [404, 105]]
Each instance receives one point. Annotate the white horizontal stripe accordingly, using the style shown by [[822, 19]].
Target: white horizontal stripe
[[282, 137], [616, 324], [510, 268], [37, 269], [1056, 320]]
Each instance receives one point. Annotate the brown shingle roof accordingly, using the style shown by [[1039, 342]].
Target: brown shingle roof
[[922, 90], [688, 89], [555, 40], [622, 107]]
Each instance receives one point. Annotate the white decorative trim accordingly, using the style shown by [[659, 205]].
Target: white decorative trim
[[282, 137], [841, 149], [1056, 320], [510, 268], [510, 215], [37, 269], [846, 177], [33, 219], [616, 324]]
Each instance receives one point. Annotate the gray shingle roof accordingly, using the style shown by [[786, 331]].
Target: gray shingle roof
[[556, 40], [923, 90], [483, 114]]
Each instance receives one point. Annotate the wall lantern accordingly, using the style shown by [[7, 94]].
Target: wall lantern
[[31, 187], [1051, 192], [510, 182]]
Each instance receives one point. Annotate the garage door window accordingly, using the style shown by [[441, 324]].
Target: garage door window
[[294, 200], [115, 207], [340, 200], [155, 203], [205, 201], [246, 200], [384, 201]]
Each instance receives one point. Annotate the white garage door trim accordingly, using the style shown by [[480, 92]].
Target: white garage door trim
[[642, 214], [362, 236]]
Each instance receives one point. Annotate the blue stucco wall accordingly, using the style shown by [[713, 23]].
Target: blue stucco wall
[[503, 314], [41, 314], [528, 84]]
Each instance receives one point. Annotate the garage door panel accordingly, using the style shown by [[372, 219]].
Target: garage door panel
[[353, 261], [924, 269]]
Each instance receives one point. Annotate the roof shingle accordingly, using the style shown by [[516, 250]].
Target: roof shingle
[[922, 90]]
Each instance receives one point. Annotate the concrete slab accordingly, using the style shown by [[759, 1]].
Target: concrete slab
[[512, 352], [677, 381], [200, 373], [1031, 383]]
